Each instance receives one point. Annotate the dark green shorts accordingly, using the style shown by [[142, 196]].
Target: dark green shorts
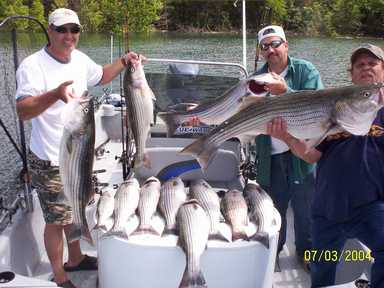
[[46, 180]]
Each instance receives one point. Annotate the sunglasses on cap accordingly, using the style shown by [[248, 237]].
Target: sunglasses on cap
[[273, 44], [63, 30]]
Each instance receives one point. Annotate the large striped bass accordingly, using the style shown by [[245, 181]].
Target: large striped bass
[[216, 111], [193, 225], [139, 108], [310, 114], [76, 162]]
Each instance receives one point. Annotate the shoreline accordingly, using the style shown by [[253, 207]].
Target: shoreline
[[289, 33]]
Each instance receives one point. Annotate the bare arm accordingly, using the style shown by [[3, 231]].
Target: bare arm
[[278, 128], [30, 107], [110, 71]]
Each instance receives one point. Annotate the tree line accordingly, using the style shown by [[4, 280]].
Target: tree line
[[309, 17]]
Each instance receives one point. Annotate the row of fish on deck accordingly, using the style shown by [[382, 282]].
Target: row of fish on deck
[[249, 214], [196, 215]]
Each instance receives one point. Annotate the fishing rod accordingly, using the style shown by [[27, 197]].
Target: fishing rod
[[127, 154]]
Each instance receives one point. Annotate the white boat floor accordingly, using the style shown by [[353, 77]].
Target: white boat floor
[[292, 274]]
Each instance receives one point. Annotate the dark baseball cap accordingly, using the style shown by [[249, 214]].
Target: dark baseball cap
[[368, 48]]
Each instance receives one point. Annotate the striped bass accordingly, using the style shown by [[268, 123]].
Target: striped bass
[[149, 198], [235, 211], [210, 202], [311, 114], [76, 162], [139, 108], [172, 196], [105, 209], [193, 224], [261, 208], [216, 111], [126, 201]]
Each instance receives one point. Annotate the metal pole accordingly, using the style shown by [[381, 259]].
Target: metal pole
[[26, 178], [111, 85], [244, 36]]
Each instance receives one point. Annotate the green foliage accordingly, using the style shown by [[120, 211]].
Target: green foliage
[[279, 9], [14, 7], [372, 17], [347, 9], [312, 17], [137, 15], [37, 11]]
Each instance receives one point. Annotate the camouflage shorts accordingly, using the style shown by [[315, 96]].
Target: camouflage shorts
[[46, 180]]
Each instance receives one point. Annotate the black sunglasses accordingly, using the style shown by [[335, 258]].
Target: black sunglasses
[[273, 44], [62, 29]]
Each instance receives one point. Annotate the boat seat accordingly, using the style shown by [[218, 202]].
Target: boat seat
[[166, 162]]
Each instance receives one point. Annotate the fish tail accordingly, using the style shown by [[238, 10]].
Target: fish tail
[[118, 233], [261, 237], [100, 226], [78, 232], [202, 150], [239, 235], [171, 122], [170, 231], [146, 230], [190, 280], [218, 236], [143, 161]]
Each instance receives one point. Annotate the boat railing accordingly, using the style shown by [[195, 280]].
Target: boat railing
[[212, 63]]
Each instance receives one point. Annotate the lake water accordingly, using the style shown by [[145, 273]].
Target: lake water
[[329, 55]]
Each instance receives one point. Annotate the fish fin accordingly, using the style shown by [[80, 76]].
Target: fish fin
[[68, 144], [261, 237], [170, 121], [313, 142], [202, 150], [190, 280], [248, 100]]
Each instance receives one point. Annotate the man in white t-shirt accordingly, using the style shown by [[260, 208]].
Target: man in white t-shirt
[[284, 176], [46, 81]]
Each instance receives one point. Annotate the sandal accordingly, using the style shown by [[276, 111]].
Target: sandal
[[88, 263]]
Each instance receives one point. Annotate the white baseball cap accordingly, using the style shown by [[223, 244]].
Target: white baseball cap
[[63, 16], [272, 30]]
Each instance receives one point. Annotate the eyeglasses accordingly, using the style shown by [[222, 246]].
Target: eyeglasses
[[63, 30], [273, 44]]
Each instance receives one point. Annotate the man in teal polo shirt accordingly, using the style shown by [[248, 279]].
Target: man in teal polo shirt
[[284, 176]]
